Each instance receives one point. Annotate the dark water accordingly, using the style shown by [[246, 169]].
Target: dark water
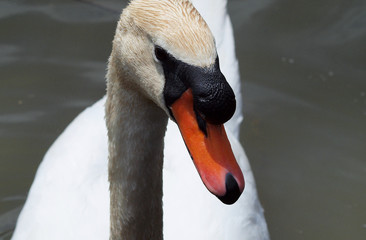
[[303, 65]]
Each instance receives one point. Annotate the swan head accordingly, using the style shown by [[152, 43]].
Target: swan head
[[164, 50]]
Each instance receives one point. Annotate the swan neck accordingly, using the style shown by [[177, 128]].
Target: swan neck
[[136, 128]]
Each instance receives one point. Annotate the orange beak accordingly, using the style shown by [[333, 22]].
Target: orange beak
[[212, 154]]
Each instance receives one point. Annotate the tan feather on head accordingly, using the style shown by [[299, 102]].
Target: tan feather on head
[[176, 26]]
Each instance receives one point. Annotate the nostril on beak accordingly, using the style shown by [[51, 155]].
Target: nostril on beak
[[232, 190]]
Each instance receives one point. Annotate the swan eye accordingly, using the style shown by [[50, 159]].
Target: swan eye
[[160, 53]]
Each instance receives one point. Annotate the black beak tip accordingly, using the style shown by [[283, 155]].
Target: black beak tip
[[232, 190]]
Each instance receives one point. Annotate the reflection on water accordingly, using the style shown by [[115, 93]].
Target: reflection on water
[[303, 66]]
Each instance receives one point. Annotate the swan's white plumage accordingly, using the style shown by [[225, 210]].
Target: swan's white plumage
[[69, 198]]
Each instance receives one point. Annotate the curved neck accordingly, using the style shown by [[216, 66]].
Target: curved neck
[[136, 128]]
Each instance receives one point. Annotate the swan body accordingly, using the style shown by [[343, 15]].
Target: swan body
[[70, 199]]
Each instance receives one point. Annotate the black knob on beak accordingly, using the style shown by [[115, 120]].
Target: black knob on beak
[[215, 101]]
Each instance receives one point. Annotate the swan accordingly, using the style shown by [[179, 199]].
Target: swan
[[79, 194]]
